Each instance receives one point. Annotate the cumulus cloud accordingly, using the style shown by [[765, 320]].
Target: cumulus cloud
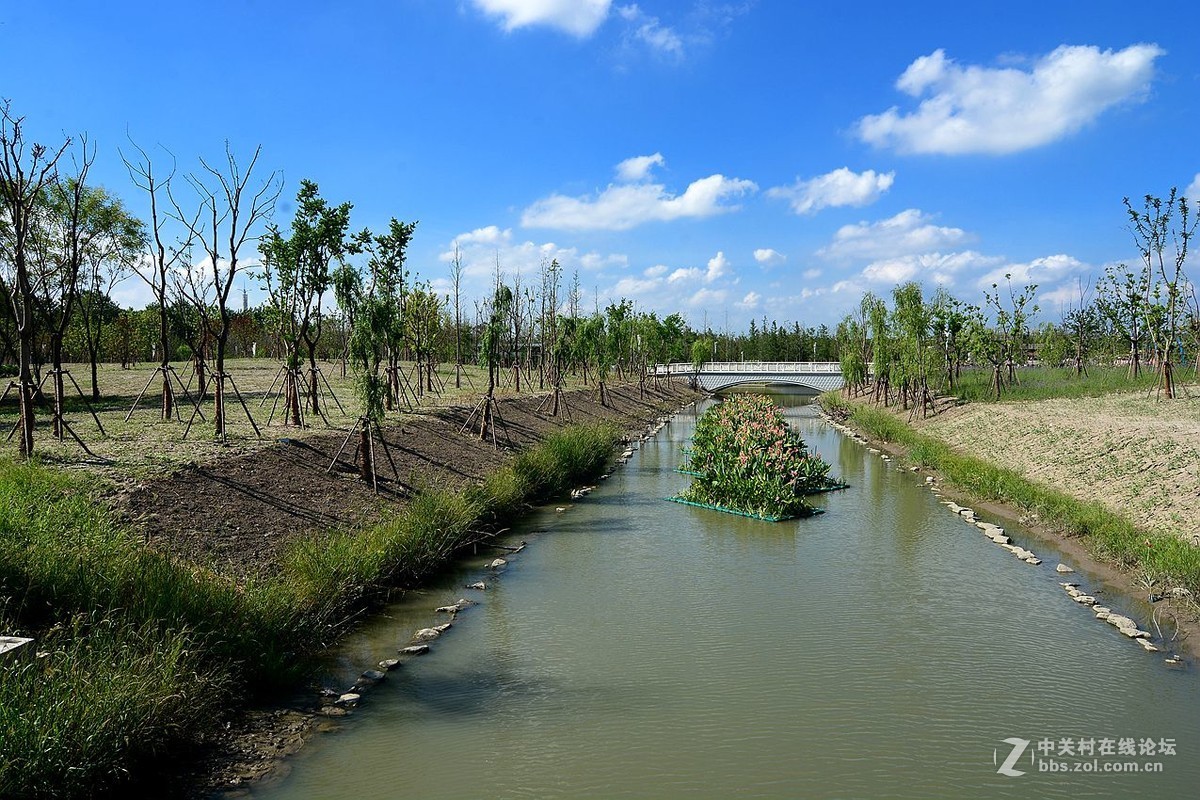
[[579, 18], [1046, 272], [842, 187], [651, 32], [908, 232], [1192, 192], [635, 169], [936, 268], [707, 297], [976, 109], [482, 248], [750, 301], [624, 206], [769, 257], [718, 267]]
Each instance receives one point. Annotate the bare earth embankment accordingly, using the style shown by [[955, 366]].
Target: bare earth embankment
[[1138, 456]]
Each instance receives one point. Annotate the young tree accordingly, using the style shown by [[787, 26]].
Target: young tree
[[297, 273], [1081, 322], [456, 276], [158, 268], [1158, 224], [232, 212], [26, 169], [1121, 300]]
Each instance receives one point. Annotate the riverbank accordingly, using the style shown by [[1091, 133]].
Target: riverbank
[[1116, 546], [187, 633]]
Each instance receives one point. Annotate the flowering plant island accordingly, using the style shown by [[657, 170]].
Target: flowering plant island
[[747, 460]]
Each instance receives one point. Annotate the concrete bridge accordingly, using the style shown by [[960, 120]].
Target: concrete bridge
[[818, 376]]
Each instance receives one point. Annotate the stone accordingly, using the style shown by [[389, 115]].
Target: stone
[[334, 711], [560, 510], [478, 585], [426, 635], [389, 664], [1033, 560], [1100, 615], [373, 675], [929, 479], [1085, 599], [497, 564], [966, 512], [1147, 645], [1063, 569], [1101, 610], [349, 699], [414, 650]]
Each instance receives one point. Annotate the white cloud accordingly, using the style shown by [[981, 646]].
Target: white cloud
[[657, 271], [577, 17], [975, 109], [651, 32], [935, 268], [910, 231], [635, 169], [812, 273], [481, 248], [684, 274], [1192, 192], [708, 297], [769, 257], [718, 267], [838, 188], [750, 301], [621, 207], [1045, 272]]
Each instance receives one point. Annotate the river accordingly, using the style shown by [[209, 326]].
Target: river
[[643, 649]]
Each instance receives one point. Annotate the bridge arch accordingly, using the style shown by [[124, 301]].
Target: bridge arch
[[818, 376]]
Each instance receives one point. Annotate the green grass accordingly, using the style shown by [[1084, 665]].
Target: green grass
[[144, 651], [1043, 383], [1163, 558]]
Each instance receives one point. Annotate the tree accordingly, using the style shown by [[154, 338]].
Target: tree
[[1081, 322], [456, 276], [26, 169], [1121, 299], [232, 212], [159, 267], [1158, 224], [297, 273]]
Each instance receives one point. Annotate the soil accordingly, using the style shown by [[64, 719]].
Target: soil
[[237, 514]]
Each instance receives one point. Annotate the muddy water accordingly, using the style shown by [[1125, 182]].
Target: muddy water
[[639, 648]]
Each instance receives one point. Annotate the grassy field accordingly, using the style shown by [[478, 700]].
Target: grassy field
[[1043, 383], [145, 444]]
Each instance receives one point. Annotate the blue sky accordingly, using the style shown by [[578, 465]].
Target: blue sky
[[727, 160]]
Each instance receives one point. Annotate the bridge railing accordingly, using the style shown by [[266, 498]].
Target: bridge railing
[[753, 367]]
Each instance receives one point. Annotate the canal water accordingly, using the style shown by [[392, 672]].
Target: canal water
[[643, 649]]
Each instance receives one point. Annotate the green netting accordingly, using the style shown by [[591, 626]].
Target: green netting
[[735, 512]]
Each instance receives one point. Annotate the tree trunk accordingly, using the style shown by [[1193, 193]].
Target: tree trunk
[[56, 370], [365, 469]]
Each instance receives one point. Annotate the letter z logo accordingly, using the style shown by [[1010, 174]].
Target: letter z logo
[[1018, 750]]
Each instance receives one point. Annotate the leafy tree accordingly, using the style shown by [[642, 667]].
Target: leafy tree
[[297, 272], [1158, 224]]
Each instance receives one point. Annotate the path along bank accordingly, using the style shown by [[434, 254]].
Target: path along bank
[[142, 652], [1156, 563]]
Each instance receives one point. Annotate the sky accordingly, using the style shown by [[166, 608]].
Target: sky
[[723, 160]]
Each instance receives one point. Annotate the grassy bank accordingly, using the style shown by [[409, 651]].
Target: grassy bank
[[1160, 557], [1043, 383], [136, 655]]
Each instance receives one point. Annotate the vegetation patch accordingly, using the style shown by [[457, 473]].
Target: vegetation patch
[[745, 458]]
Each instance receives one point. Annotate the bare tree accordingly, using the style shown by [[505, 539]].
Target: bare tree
[[230, 214], [160, 265], [456, 276], [26, 169]]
